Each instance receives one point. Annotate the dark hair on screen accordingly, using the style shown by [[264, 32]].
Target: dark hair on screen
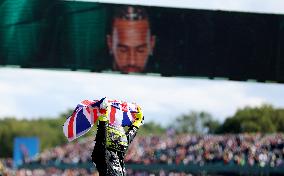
[[132, 13], [126, 12]]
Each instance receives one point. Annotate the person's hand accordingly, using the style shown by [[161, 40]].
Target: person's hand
[[103, 114], [139, 118]]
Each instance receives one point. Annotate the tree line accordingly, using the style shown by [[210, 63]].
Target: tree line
[[264, 119]]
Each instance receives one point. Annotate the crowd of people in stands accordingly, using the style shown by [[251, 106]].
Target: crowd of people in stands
[[243, 149], [251, 149], [83, 172]]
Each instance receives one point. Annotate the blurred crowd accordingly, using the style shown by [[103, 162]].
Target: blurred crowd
[[243, 149], [73, 152], [252, 149], [83, 172], [51, 171]]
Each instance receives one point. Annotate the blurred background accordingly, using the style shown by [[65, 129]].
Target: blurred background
[[208, 75]]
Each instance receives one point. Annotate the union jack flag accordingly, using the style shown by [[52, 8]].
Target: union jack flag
[[87, 112]]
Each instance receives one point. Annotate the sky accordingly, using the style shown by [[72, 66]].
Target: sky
[[34, 93]]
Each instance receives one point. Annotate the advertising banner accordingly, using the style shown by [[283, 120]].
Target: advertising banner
[[25, 148]]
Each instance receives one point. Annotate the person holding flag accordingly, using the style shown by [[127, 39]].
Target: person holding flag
[[111, 139], [112, 143]]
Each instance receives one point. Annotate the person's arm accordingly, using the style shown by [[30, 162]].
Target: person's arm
[[133, 129], [101, 129], [100, 146], [131, 133], [101, 134]]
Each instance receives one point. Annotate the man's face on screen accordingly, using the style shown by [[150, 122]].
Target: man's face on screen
[[131, 44]]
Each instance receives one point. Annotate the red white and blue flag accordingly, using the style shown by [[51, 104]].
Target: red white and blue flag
[[87, 112]]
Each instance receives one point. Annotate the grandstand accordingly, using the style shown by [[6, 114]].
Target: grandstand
[[184, 154]]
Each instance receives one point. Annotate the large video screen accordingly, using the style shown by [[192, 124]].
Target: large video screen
[[168, 41]]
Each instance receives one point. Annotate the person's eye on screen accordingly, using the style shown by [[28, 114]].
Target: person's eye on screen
[[122, 49], [141, 49]]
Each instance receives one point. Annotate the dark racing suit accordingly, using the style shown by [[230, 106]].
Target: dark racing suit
[[110, 148]]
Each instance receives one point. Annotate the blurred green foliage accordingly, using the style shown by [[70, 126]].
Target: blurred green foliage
[[265, 119], [195, 123], [48, 130]]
